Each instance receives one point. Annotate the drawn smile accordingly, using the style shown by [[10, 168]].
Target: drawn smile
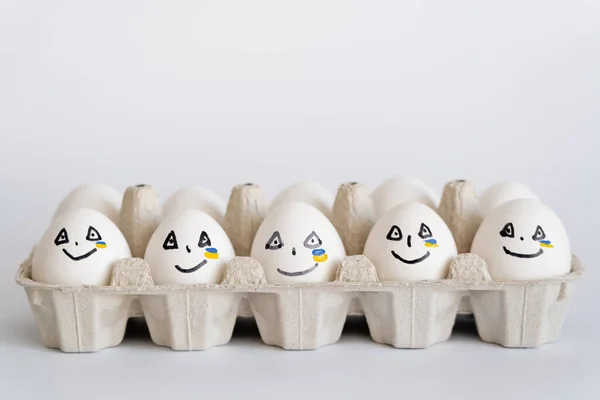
[[299, 273], [193, 269], [81, 257], [519, 255], [415, 261]]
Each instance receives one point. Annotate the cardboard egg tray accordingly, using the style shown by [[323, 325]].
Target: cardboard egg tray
[[305, 316]]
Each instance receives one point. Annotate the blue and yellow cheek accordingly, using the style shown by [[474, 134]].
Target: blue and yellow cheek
[[430, 243], [546, 244], [101, 245], [211, 253], [319, 255]]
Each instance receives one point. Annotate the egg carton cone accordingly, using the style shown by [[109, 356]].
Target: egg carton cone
[[418, 314]]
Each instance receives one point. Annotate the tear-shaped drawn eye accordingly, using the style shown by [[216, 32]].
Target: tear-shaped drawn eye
[[312, 241], [204, 240], [93, 235], [62, 237], [274, 242], [425, 232], [394, 234], [508, 231], [170, 242], [539, 234]]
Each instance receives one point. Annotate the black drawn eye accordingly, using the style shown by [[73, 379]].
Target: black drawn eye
[[394, 234], [93, 235], [508, 231], [312, 241], [274, 242], [425, 232], [204, 240], [539, 234], [62, 237], [170, 242]]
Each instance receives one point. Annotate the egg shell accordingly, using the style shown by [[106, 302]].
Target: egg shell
[[304, 246], [198, 198], [398, 190], [520, 251], [178, 252], [501, 193], [99, 197], [89, 235], [310, 193], [410, 242]]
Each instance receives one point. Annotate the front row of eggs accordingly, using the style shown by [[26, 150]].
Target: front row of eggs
[[296, 243]]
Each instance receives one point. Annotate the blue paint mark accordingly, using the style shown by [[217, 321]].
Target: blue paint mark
[[211, 250], [318, 252], [545, 241], [431, 241], [100, 242]]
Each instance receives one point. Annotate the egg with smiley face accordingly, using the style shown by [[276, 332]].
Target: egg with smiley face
[[296, 243], [188, 247], [79, 248], [410, 242], [523, 240]]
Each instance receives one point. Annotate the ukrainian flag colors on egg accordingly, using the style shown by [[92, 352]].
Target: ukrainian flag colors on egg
[[188, 247], [296, 243], [410, 242], [79, 248], [523, 240]]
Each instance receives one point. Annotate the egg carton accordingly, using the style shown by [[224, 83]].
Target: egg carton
[[304, 316]]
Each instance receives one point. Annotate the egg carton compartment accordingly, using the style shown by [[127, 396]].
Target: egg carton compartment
[[298, 317], [415, 314]]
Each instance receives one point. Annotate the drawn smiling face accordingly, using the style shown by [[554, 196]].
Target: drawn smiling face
[[522, 240], [188, 247], [312, 242], [62, 239], [538, 238], [395, 234], [204, 243], [296, 243], [410, 242], [79, 248]]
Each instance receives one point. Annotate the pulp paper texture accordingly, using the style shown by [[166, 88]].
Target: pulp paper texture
[[308, 316]]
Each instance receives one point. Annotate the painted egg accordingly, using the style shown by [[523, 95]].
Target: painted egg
[[296, 243], [501, 193], [307, 192], [523, 240], [188, 247], [79, 248], [102, 198], [197, 198], [400, 190], [410, 242]]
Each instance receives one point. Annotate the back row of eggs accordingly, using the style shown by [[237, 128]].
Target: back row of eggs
[[280, 229], [388, 194]]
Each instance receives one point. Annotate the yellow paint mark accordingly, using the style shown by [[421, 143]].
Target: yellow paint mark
[[321, 258]]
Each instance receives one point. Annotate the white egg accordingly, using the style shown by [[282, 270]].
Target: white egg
[[99, 197], [197, 198], [188, 247], [501, 193], [79, 248], [296, 243], [523, 240], [410, 242], [400, 190], [307, 192]]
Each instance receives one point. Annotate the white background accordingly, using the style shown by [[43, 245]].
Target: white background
[[217, 93]]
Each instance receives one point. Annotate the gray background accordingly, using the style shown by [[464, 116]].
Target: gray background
[[220, 92]]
